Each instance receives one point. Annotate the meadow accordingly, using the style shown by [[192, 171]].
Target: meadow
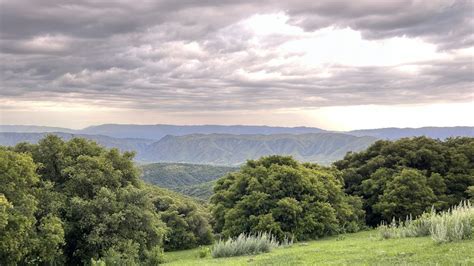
[[362, 248]]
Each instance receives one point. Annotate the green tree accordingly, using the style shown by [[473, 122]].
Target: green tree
[[106, 211], [27, 235], [279, 195], [448, 167], [187, 222], [407, 194]]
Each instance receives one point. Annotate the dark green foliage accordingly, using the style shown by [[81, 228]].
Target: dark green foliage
[[187, 222], [407, 192], [105, 211], [77, 199], [279, 195], [28, 233], [76, 202], [409, 176]]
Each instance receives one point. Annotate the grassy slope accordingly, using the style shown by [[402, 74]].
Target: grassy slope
[[172, 175], [363, 248]]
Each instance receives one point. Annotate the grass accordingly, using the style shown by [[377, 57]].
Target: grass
[[363, 248]]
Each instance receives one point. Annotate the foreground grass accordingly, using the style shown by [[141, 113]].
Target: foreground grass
[[361, 248]]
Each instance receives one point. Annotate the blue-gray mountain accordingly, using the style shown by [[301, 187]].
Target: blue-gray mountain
[[156, 132], [221, 149]]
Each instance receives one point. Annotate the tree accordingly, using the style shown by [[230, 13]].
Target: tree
[[448, 168], [187, 222], [100, 198], [279, 195], [27, 235], [407, 194]]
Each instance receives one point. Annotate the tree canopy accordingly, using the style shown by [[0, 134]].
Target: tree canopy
[[279, 195], [409, 176], [73, 201]]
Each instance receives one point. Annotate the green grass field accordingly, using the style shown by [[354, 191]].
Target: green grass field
[[363, 248]]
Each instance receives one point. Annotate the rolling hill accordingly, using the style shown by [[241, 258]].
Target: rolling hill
[[226, 149], [138, 145], [156, 132], [220, 149]]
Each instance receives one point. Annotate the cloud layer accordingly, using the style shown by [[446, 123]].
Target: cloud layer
[[214, 55]]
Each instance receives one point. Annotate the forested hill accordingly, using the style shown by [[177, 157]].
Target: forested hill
[[173, 175], [222, 149]]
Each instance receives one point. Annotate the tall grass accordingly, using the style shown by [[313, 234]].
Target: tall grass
[[247, 244], [454, 224]]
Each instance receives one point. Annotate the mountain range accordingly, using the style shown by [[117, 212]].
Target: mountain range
[[226, 145], [156, 132], [220, 149]]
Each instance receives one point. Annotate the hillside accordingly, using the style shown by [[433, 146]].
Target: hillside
[[220, 149], [172, 175], [158, 131], [138, 145], [201, 191], [226, 149]]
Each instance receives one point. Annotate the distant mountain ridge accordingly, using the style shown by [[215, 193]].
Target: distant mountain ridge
[[221, 149], [432, 132], [156, 132], [159, 131], [227, 149]]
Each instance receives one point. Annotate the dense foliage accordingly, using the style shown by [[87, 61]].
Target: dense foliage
[[409, 176], [187, 222], [29, 231], [279, 195], [70, 202]]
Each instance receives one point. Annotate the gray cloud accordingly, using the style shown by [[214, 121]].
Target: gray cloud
[[193, 55]]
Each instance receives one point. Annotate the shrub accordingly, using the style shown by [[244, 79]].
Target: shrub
[[454, 224], [244, 244], [203, 252]]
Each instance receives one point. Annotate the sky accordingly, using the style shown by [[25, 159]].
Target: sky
[[332, 64]]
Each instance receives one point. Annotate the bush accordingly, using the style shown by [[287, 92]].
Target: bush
[[203, 252], [452, 225], [244, 244]]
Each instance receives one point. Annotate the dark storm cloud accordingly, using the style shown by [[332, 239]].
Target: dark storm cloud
[[193, 55]]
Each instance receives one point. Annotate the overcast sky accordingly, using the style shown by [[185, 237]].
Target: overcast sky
[[329, 64]]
